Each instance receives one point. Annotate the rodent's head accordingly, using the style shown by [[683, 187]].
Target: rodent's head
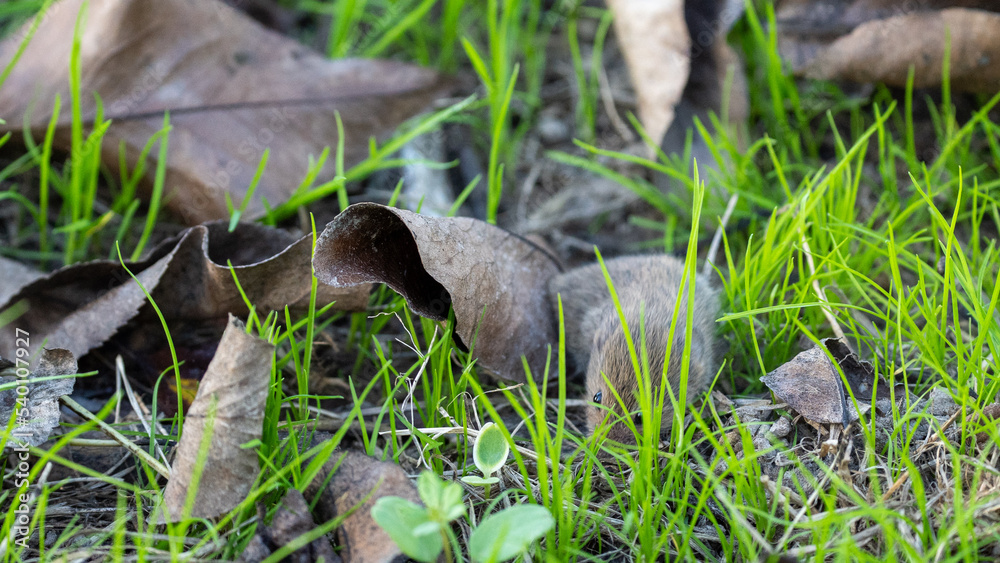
[[611, 363]]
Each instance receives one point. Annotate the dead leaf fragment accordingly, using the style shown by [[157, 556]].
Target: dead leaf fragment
[[495, 281], [654, 40], [361, 539], [811, 385], [79, 307], [35, 404], [291, 520], [227, 413], [233, 89]]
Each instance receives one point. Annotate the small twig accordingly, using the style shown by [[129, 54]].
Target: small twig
[[438, 431], [608, 99], [117, 436], [837, 331], [717, 237]]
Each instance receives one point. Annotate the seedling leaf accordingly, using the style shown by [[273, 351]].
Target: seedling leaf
[[401, 519], [491, 449], [505, 534]]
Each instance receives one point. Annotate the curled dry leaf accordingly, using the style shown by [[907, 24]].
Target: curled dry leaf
[[227, 413], [291, 520], [716, 83], [35, 404], [873, 42], [357, 476], [233, 89], [861, 376], [495, 280], [654, 40], [79, 307]]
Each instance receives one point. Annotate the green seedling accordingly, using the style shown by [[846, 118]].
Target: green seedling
[[506, 534], [489, 455], [421, 532]]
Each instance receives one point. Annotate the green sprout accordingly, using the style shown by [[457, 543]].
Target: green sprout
[[489, 455]]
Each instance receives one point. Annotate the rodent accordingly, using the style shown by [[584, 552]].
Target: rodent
[[594, 335]]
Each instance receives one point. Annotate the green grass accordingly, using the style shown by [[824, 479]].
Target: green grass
[[839, 217]]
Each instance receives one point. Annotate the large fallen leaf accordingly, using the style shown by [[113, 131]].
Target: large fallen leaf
[[495, 280], [716, 76], [879, 44], [227, 413], [34, 404], [825, 20], [79, 307], [15, 275], [233, 89], [358, 482], [654, 40]]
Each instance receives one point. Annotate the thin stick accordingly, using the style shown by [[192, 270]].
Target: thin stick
[[438, 431], [608, 99], [822, 294], [117, 436], [717, 237]]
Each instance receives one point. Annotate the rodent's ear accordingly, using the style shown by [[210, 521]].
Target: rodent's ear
[[600, 339]]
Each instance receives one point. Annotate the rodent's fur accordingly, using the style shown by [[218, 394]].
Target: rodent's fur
[[647, 288]]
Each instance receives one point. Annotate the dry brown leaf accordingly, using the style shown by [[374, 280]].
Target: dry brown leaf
[[714, 67], [862, 47], [827, 19], [15, 275], [227, 413], [233, 89], [291, 520], [653, 37], [79, 307], [811, 385], [361, 539], [36, 411], [495, 281]]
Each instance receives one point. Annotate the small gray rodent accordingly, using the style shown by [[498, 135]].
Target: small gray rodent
[[594, 335]]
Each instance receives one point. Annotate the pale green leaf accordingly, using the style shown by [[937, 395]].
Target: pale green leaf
[[491, 449], [504, 535], [401, 518], [476, 480]]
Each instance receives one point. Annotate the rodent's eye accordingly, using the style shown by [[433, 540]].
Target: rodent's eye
[[597, 397], [637, 419]]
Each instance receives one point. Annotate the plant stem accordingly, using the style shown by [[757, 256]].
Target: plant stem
[[447, 546]]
